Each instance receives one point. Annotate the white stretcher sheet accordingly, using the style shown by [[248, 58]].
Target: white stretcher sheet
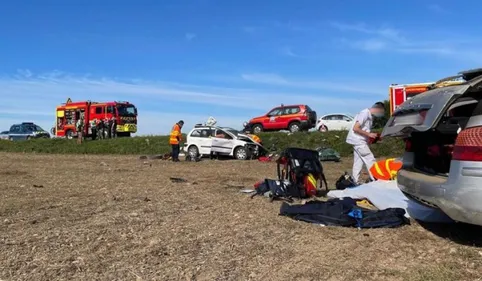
[[386, 194]]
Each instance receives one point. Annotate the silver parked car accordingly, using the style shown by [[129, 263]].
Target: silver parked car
[[442, 163]]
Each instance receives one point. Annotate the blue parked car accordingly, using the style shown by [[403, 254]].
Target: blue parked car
[[26, 131]]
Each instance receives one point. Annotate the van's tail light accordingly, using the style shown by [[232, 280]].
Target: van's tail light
[[468, 146], [408, 145]]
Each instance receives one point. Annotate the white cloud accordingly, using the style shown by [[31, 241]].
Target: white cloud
[[371, 45], [391, 40], [435, 8], [384, 32], [33, 97], [190, 36], [355, 87]]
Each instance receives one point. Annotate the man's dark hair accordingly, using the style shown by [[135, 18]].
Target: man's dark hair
[[180, 122], [379, 104]]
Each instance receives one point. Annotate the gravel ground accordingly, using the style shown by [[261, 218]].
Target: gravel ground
[[121, 218]]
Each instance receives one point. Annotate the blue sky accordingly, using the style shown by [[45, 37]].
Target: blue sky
[[229, 59]]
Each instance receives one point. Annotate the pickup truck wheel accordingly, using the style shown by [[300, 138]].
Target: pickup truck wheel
[[240, 153], [294, 127], [257, 129]]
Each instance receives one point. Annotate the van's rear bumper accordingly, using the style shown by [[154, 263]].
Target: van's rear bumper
[[459, 195]]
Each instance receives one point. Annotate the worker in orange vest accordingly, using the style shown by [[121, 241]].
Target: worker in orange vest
[[386, 169], [174, 140]]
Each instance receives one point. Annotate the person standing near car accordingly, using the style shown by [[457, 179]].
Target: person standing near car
[[359, 137], [175, 139]]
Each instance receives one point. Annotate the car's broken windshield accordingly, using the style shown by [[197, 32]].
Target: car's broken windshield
[[232, 131]]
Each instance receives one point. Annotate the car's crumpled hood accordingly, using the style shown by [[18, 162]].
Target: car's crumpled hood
[[245, 137]]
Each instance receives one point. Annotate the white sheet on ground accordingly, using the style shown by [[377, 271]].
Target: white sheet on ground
[[386, 194]]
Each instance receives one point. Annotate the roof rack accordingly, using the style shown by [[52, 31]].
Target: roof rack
[[450, 78], [471, 73]]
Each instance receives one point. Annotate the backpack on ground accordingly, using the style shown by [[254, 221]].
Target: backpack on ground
[[345, 181], [302, 169], [275, 189]]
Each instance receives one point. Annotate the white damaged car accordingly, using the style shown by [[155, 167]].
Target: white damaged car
[[205, 140]]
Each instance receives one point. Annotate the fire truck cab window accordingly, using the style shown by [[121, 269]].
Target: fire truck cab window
[[98, 110], [110, 109], [69, 117]]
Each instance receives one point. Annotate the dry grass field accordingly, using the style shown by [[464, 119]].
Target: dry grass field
[[121, 218]]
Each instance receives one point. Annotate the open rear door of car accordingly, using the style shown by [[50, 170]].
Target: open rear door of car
[[422, 112]]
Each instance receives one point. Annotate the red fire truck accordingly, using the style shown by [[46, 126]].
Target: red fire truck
[[67, 114], [398, 94]]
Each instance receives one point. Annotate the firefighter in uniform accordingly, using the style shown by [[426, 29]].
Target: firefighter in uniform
[[386, 169], [174, 140], [80, 129], [93, 128]]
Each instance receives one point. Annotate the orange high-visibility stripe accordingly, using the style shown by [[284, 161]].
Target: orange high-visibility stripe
[[175, 136], [379, 171], [386, 169], [394, 167]]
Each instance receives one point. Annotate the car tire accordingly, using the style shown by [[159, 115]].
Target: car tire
[[294, 127], [240, 153], [323, 129], [258, 128], [193, 151], [69, 134]]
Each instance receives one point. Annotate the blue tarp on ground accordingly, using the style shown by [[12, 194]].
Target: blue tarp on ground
[[386, 194]]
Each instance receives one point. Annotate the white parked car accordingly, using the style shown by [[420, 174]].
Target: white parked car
[[4, 135], [203, 140], [334, 122]]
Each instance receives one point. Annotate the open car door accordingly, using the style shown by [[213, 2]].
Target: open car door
[[222, 145]]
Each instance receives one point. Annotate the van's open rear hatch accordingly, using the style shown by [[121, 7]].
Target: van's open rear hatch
[[423, 111]]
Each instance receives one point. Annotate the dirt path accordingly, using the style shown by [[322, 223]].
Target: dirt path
[[116, 218]]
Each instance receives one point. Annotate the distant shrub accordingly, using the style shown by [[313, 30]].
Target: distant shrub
[[149, 145]]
